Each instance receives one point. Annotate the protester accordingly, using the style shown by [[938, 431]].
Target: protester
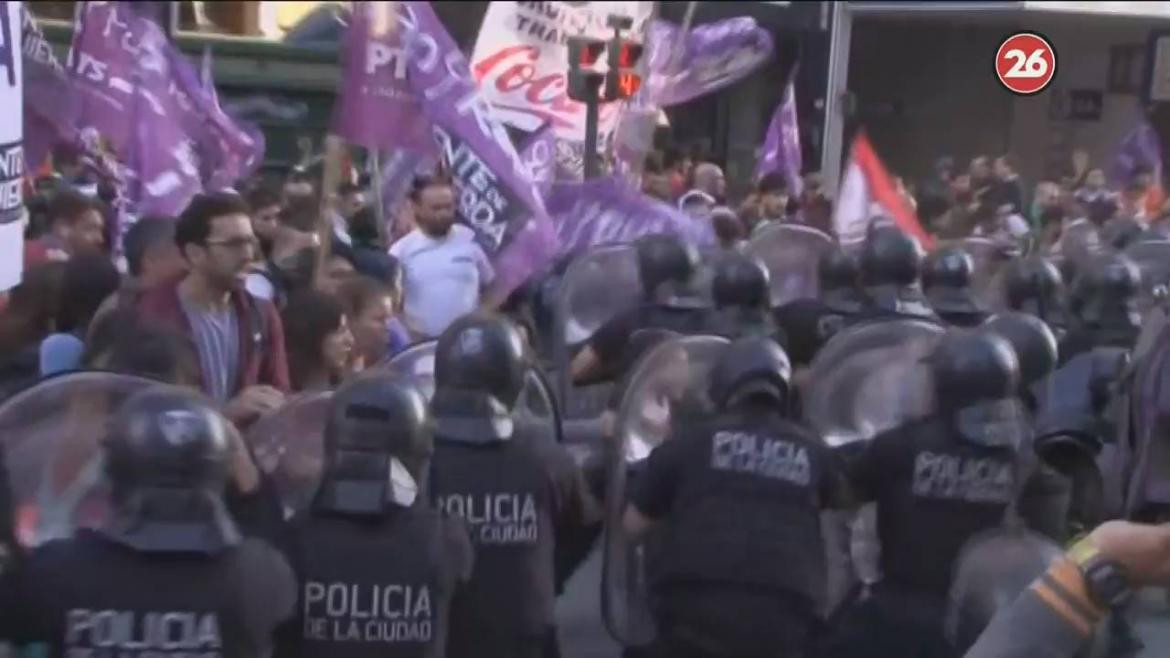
[[30, 316], [320, 345], [728, 229], [678, 168], [152, 259], [338, 268], [89, 280], [656, 179], [371, 310], [76, 225], [368, 254], [708, 179], [444, 269], [240, 340], [1100, 202], [1007, 189], [298, 186], [981, 176], [773, 194], [697, 204], [293, 256], [264, 204], [1132, 202], [816, 210]]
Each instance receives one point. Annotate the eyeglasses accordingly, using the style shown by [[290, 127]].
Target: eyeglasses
[[235, 244]]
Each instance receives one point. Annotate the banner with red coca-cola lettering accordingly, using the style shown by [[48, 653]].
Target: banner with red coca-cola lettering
[[521, 61]]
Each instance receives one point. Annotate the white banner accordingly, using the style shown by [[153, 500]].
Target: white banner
[[12, 213], [521, 61]]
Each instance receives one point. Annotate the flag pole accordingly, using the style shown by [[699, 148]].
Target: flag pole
[[376, 190]]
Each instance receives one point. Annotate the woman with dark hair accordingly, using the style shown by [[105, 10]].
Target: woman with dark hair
[[89, 280], [319, 343], [31, 315]]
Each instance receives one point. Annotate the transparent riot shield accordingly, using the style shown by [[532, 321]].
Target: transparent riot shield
[[51, 435], [989, 257], [289, 445], [792, 254], [1153, 259], [992, 570], [416, 362], [1078, 243], [668, 387], [870, 378], [597, 286]]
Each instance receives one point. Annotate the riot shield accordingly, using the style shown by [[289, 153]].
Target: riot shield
[[417, 362], [992, 570], [1078, 243], [1153, 259], [870, 378], [668, 386], [289, 445], [792, 254], [51, 434], [989, 257], [597, 286]]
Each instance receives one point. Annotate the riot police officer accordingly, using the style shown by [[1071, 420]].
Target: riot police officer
[[890, 264], [809, 323], [373, 536], [1034, 285], [937, 482], [741, 294], [1103, 304], [946, 280], [667, 266], [741, 565], [515, 487], [168, 571], [1034, 344]]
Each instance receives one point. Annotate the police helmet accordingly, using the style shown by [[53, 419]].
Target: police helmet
[[946, 279], [890, 257], [976, 380], [1032, 340], [751, 367], [742, 281], [377, 442], [1120, 232], [480, 370], [666, 265], [1105, 294], [1033, 285], [837, 275], [168, 457]]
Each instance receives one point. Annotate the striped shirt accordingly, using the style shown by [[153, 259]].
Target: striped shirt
[[217, 337]]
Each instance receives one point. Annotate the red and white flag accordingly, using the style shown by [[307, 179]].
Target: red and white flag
[[867, 193]]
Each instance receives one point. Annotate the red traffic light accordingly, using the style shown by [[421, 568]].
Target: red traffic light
[[628, 54], [628, 84], [585, 52]]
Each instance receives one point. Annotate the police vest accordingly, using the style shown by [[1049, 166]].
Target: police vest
[[503, 492], [374, 588], [748, 511]]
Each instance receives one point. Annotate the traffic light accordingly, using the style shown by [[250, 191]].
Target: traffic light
[[622, 81], [584, 79]]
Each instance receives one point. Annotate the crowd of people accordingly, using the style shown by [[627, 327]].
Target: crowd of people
[[244, 300]]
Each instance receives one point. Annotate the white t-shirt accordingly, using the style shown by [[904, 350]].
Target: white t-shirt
[[441, 277]]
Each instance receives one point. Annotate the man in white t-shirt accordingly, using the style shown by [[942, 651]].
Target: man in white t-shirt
[[444, 269]]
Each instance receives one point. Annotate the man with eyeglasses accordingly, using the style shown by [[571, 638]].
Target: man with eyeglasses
[[239, 338]]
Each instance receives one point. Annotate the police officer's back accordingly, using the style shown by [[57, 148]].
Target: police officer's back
[[1034, 285], [667, 268], [946, 280], [377, 563], [741, 567], [168, 573], [809, 323], [1103, 304], [937, 482], [512, 483]]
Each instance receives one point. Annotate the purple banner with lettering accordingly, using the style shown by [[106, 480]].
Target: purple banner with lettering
[[498, 196], [713, 56], [398, 169], [376, 106], [782, 143], [608, 210], [539, 154], [123, 66], [50, 112]]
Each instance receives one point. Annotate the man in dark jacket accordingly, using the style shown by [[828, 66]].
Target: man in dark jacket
[[239, 339]]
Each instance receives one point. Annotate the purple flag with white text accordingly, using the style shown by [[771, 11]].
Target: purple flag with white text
[[782, 142], [498, 196], [50, 111], [607, 210], [713, 56], [376, 106]]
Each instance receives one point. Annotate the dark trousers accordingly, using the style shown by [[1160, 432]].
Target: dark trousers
[[891, 622], [726, 622]]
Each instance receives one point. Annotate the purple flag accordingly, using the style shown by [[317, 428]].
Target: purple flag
[[398, 170], [1139, 148], [50, 111], [607, 210], [713, 56], [122, 65], [497, 194], [782, 143], [539, 154], [376, 106]]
